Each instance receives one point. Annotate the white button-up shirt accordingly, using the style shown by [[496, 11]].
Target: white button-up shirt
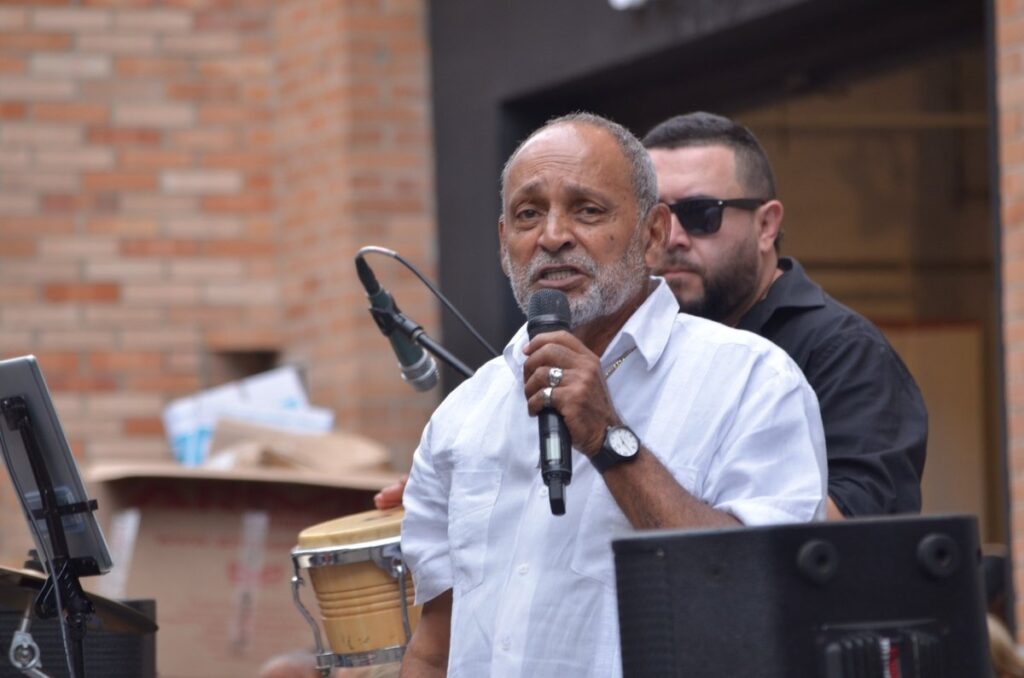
[[726, 412]]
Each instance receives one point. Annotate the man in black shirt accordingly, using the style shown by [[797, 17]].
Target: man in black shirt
[[723, 263]]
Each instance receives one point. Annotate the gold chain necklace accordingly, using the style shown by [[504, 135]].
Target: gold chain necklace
[[618, 361]]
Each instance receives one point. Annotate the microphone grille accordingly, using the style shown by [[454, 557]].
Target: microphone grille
[[548, 311]]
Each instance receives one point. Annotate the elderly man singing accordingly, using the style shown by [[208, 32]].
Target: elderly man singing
[[676, 422]]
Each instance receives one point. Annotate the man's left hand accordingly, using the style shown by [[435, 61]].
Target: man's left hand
[[581, 397]]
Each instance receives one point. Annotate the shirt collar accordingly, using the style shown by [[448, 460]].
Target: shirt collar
[[793, 289], [648, 330]]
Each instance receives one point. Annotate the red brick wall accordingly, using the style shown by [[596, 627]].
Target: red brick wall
[[355, 161], [180, 178], [1009, 24]]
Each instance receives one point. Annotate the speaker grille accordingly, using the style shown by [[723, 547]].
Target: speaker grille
[[110, 655]]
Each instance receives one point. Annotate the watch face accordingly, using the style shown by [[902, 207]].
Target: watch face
[[623, 441]]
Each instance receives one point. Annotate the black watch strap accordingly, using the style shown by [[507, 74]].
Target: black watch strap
[[620, 446]]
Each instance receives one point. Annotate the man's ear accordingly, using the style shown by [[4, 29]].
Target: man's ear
[[501, 243], [769, 224], [658, 223]]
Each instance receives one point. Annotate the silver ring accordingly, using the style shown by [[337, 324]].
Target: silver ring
[[554, 376], [547, 395]]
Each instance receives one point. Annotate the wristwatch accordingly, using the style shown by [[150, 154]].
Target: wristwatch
[[620, 446]]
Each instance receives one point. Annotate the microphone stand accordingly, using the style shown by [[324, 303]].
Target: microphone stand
[[389, 321], [61, 592]]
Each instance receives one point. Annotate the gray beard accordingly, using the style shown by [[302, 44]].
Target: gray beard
[[611, 287]]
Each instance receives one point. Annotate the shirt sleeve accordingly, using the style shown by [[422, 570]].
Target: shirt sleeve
[[876, 425], [425, 525], [770, 467]]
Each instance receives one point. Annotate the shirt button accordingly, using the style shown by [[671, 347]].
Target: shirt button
[[544, 491], [506, 643], [524, 568]]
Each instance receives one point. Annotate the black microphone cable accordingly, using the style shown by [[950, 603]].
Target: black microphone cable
[[430, 286]]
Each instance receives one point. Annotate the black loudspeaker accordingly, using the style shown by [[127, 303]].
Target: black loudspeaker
[[107, 654], [871, 598]]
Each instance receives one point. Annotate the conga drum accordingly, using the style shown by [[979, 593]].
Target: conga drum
[[364, 590]]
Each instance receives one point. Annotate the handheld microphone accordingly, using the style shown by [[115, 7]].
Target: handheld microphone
[[549, 312], [418, 367]]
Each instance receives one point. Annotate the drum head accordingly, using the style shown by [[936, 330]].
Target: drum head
[[354, 529]]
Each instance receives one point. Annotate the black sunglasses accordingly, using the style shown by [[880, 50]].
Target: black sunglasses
[[703, 216]]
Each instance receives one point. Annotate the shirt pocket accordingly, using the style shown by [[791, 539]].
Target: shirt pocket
[[471, 503], [603, 522]]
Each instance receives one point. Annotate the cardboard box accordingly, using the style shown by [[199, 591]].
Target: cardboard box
[[213, 548]]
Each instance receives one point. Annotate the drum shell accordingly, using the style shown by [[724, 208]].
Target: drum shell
[[360, 606], [359, 600]]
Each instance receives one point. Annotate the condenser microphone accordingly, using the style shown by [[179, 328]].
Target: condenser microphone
[[549, 312], [418, 367]]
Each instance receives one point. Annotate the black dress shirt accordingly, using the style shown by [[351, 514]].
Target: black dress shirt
[[876, 425]]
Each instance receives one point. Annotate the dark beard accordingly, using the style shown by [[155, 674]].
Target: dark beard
[[723, 294]]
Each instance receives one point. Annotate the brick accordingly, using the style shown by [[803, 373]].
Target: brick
[[124, 136], [74, 20], [26, 88], [240, 248], [241, 203], [13, 19], [145, 425], [18, 247], [71, 112], [117, 361], [123, 226], [39, 181], [117, 43], [35, 226], [12, 293], [154, 115], [201, 182], [14, 159], [240, 160], [122, 271], [158, 248], [162, 293], [153, 20], [84, 158], [123, 317], [253, 292], [166, 338], [202, 43], [225, 114], [125, 404], [31, 42], [158, 204], [16, 204], [77, 246], [203, 269], [207, 140], [168, 384], [202, 91], [39, 317], [263, 339], [82, 292], [118, 181], [148, 67], [113, 90], [38, 134], [66, 203], [78, 340], [71, 66], [203, 227], [12, 65], [237, 68], [154, 159]]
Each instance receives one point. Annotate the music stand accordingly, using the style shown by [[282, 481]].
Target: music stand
[[52, 495]]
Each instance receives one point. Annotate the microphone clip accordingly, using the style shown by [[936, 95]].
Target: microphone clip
[[390, 319]]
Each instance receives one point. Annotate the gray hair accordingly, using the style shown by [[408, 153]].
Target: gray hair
[[642, 176]]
